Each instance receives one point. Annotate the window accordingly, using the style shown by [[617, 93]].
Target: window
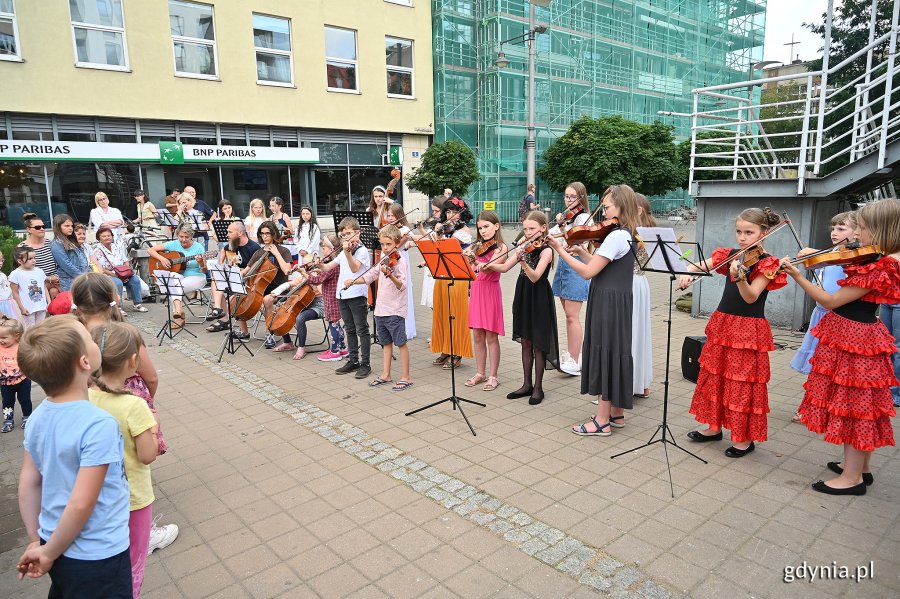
[[9, 31], [340, 59], [98, 30], [399, 60], [401, 2], [272, 40], [193, 39]]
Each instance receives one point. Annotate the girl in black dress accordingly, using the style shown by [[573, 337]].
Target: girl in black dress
[[607, 366], [534, 313]]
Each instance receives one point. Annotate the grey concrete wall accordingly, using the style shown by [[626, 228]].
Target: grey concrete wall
[[786, 307]]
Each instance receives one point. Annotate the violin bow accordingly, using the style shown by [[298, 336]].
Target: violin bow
[[381, 262], [787, 219], [513, 248]]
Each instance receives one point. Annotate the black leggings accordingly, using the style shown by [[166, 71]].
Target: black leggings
[[10, 393]]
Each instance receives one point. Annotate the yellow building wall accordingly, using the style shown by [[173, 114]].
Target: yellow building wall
[[48, 82]]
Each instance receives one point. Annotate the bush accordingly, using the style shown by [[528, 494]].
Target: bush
[[8, 240]]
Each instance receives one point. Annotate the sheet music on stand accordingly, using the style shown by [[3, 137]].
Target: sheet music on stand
[[169, 285], [227, 278], [200, 224], [164, 217], [665, 255]]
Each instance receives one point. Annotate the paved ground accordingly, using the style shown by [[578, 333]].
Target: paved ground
[[289, 481]]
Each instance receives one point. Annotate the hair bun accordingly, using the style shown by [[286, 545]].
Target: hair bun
[[772, 218]]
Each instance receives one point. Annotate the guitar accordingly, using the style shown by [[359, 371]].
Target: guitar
[[177, 259]]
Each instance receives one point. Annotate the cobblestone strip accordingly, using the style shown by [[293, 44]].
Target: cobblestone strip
[[588, 565]]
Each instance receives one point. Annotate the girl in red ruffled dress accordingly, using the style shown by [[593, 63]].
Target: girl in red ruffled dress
[[734, 364], [848, 395]]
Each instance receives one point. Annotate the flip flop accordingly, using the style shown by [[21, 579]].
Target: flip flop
[[379, 381], [402, 385]]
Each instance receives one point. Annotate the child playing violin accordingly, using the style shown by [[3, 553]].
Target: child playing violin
[[843, 230], [394, 215], [848, 396], [734, 364], [534, 313], [569, 286], [390, 305], [328, 280], [607, 365], [486, 300]]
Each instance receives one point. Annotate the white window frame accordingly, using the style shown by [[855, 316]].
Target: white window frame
[[355, 63], [197, 42], [105, 29], [411, 70], [408, 3], [288, 53], [17, 57]]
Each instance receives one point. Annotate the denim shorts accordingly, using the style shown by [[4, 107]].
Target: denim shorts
[[568, 284], [391, 329]]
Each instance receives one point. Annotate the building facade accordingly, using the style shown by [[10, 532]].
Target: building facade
[[313, 101], [598, 57]]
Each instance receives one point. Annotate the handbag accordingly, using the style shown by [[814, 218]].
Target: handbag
[[124, 271]]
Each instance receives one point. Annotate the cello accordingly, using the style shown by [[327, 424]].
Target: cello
[[282, 319], [257, 279]]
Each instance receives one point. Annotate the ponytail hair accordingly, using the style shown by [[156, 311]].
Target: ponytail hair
[[93, 293], [764, 218], [118, 343]]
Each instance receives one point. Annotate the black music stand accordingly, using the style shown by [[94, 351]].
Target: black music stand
[[227, 279], [167, 283], [166, 218], [446, 262], [666, 256], [220, 228]]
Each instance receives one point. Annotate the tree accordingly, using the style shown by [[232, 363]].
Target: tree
[[448, 164], [774, 107], [722, 146], [614, 150]]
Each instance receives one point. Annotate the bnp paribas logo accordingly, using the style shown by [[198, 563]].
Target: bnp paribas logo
[[171, 152]]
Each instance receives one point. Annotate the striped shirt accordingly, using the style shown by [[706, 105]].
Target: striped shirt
[[44, 258]]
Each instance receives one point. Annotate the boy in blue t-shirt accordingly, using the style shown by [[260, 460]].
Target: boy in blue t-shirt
[[73, 495]]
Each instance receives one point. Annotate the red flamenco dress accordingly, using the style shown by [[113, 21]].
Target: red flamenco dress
[[848, 395], [734, 364]]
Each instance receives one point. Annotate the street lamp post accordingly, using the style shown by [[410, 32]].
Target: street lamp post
[[502, 62]]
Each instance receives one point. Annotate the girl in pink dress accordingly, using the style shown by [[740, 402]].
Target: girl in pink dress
[[486, 300]]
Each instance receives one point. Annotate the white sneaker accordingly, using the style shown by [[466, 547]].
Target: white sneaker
[[571, 367], [162, 536]]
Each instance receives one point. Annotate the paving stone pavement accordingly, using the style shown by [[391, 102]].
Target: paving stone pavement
[[287, 480]]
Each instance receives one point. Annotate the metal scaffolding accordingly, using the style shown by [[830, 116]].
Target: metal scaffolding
[[599, 57]]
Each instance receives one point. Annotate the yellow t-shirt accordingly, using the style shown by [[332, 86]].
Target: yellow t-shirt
[[134, 417]]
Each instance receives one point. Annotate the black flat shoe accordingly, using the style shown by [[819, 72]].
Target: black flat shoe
[[536, 398], [734, 452], [821, 487], [699, 437], [868, 479], [520, 393]]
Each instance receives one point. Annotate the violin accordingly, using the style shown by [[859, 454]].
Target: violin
[[480, 248], [595, 233], [750, 257], [841, 255], [448, 227], [537, 244], [389, 260], [569, 215]]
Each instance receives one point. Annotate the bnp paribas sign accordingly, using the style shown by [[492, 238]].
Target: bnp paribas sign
[[165, 152]]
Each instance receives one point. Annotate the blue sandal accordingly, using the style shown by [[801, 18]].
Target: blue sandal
[[614, 421], [379, 381], [402, 385], [600, 432]]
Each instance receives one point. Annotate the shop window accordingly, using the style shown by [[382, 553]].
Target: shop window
[[367, 154], [363, 180], [331, 153], [399, 60], [340, 59], [9, 31], [332, 191], [193, 39], [98, 31], [272, 41]]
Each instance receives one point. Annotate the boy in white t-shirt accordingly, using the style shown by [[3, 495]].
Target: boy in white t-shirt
[[29, 287]]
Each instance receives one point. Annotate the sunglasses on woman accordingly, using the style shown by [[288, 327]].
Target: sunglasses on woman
[[37, 227]]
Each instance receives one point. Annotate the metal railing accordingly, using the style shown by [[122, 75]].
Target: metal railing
[[810, 128]]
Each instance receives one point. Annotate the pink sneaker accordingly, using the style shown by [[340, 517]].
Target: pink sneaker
[[328, 356], [344, 353]]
